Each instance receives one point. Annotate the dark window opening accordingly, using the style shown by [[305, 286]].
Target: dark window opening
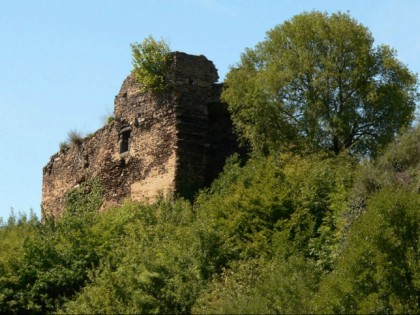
[[125, 140]]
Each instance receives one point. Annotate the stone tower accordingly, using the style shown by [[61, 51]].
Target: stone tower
[[172, 143]]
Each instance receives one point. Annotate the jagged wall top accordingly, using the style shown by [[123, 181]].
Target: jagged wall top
[[186, 72], [192, 70]]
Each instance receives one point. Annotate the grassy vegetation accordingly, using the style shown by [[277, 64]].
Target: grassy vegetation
[[64, 146], [110, 119], [75, 137]]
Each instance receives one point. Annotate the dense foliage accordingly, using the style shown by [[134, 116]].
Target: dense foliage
[[316, 81], [278, 234], [295, 231], [151, 61]]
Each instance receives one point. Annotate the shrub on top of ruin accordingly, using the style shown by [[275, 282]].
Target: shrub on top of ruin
[[107, 119], [151, 61], [110, 119], [64, 145], [75, 137]]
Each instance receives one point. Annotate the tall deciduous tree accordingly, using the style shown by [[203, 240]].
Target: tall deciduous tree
[[317, 80]]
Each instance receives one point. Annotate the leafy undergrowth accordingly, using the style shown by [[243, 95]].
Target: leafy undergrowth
[[278, 234]]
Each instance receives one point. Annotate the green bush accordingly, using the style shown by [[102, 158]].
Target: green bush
[[13, 237], [75, 137], [151, 61], [301, 197], [275, 286], [110, 119], [379, 270], [281, 233], [398, 167], [153, 265], [46, 264]]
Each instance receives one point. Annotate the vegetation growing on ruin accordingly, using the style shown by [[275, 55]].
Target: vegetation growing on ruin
[[109, 119], [151, 62], [75, 137], [64, 146], [281, 231]]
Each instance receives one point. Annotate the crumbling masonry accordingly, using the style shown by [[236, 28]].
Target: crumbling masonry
[[172, 143]]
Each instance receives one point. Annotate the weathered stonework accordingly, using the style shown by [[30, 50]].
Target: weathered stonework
[[169, 143]]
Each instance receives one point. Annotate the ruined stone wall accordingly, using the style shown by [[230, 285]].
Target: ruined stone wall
[[194, 92], [69, 168], [152, 140], [174, 142], [144, 171]]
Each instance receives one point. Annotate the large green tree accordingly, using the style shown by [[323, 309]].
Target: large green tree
[[317, 81]]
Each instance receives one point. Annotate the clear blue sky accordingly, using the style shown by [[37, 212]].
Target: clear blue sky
[[63, 61]]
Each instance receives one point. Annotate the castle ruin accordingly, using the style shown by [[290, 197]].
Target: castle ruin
[[169, 143]]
